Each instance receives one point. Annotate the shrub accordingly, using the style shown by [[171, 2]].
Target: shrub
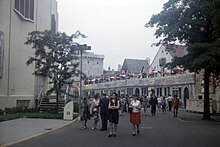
[[2, 112], [9, 117]]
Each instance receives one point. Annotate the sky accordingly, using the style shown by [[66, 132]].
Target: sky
[[114, 28]]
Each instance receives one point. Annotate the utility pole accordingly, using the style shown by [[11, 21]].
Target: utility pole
[[82, 48]]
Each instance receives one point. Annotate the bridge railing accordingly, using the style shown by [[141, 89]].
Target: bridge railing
[[180, 79]]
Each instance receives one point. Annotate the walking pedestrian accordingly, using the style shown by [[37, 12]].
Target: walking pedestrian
[[113, 114], [95, 111], [145, 103], [170, 99], [164, 104], [103, 104], [85, 113], [153, 103], [159, 102], [175, 104], [135, 115], [122, 104]]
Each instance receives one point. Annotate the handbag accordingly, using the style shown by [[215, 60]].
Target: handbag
[[130, 110]]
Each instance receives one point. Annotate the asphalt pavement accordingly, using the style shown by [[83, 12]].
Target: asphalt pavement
[[19, 130]]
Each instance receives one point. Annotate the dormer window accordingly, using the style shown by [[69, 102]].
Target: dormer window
[[25, 9]]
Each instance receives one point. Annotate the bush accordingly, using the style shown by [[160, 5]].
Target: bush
[[19, 112], [44, 115], [16, 110], [2, 112], [9, 117]]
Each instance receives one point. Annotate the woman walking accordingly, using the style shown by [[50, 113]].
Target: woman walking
[[85, 113], [113, 114], [145, 104], [95, 111], [135, 116], [164, 105]]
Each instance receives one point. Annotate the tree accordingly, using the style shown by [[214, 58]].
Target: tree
[[54, 54], [195, 23]]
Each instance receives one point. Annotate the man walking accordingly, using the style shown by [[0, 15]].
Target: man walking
[[103, 104], [175, 104], [153, 103]]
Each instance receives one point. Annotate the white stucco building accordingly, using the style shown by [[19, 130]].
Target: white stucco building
[[18, 86], [164, 56], [92, 64]]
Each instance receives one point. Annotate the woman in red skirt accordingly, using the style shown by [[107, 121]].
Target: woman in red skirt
[[135, 116]]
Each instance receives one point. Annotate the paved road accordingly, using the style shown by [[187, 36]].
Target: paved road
[[161, 130]]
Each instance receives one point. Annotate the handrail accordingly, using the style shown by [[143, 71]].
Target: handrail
[[40, 98], [65, 96]]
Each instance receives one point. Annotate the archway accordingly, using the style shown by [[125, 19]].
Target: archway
[[186, 95], [137, 91]]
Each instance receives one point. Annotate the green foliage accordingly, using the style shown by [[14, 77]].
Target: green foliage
[[7, 117], [44, 115], [54, 55], [201, 55], [187, 21], [195, 23], [19, 112], [2, 112], [15, 110]]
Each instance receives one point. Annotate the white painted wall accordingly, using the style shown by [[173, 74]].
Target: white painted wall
[[18, 82], [160, 54], [92, 64]]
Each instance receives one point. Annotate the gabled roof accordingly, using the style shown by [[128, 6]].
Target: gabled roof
[[135, 65]]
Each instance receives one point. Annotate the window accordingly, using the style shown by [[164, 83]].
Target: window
[[162, 61], [23, 103], [53, 23], [25, 9], [1, 53]]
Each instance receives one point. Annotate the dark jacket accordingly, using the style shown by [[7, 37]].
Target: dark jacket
[[103, 104], [153, 101]]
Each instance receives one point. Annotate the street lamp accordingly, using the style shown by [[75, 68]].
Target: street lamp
[[81, 48]]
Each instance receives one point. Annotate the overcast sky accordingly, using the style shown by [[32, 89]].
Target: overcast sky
[[115, 28]]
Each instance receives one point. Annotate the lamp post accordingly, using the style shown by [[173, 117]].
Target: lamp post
[[82, 48]]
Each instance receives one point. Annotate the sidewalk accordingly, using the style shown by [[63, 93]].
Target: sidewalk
[[22, 129], [192, 116]]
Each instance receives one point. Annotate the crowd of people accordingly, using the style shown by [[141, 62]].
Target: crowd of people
[[110, 108]]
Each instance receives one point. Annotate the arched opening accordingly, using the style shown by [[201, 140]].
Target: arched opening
[[137, 91], [186, 95]]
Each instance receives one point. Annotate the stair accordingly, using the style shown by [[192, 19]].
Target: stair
[[49, 104]]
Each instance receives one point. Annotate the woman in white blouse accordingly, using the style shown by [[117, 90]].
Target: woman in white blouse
[[135, 116]]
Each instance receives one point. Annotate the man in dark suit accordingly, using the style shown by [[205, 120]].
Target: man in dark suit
[[103, 104], [153, 103]]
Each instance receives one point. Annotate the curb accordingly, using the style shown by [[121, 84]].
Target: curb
[[37, 134]]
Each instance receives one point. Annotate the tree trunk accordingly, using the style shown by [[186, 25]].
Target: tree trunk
[[206, 111]]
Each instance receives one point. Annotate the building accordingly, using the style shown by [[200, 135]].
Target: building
[[92, 64], [135, 66], [165, 55], [18, 86], [92, 67]]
